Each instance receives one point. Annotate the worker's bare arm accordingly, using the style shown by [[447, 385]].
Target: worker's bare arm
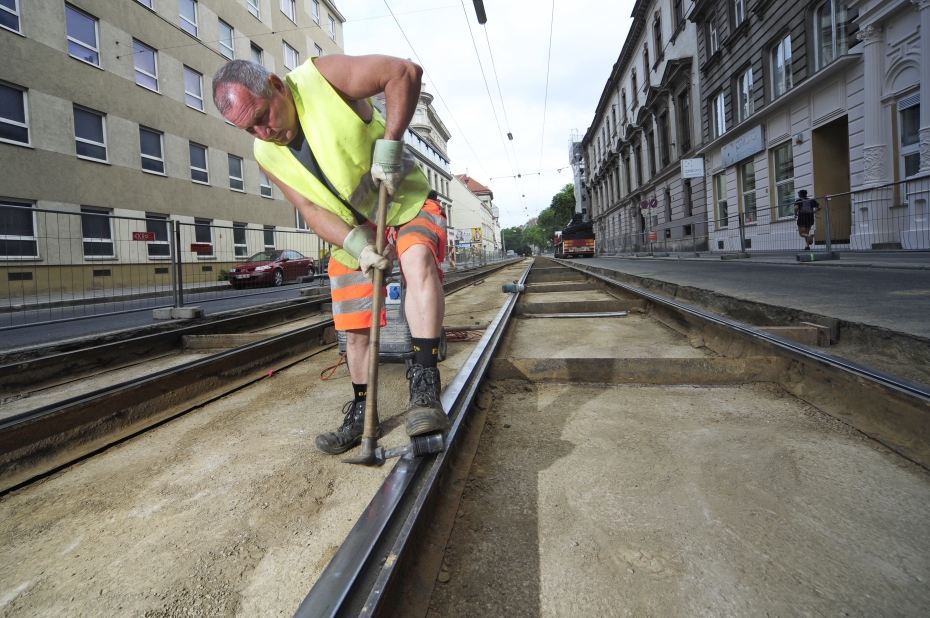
[[356, 78], [327, 225]]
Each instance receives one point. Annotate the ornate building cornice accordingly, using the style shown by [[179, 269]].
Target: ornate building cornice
[[872, 34]]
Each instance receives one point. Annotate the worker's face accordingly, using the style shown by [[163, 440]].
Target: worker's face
[[270, 119]]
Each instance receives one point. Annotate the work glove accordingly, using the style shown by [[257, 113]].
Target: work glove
[[360, 244], [387, 165]]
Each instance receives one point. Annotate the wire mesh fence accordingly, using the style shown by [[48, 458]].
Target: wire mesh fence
[[889, 217]]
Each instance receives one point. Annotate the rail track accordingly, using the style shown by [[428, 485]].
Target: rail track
[[705, 465]]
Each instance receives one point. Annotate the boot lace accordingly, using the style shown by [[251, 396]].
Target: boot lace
[[349, 411], [424, 383]]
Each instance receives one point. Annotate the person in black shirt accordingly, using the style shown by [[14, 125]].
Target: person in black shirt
[[804, 209]]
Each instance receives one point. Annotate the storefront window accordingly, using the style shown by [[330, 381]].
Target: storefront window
[[747, 179], [720, 196], [783, 161]]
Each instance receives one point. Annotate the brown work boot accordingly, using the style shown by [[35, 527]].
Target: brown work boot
[[424, 410], [349, 433]]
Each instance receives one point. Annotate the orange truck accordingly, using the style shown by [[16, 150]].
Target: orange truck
[[576, 240]]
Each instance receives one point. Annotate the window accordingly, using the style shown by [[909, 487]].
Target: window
[[739, 11], [745, 105], [679, 11], [97, 233], [634, 88], [289, 8], [829, 32], [188, 10], [645, 59], [290, 57], [264, 184], [713, 44], [317, 49], [627, 175], [664, 146], [315, 10], [657, 37], [9, 15], [253, 8], [17, 230], [193, 88], [684, 120], [269, 237], [651, 154], [226, 40], [90, 135], [909, 124], [14, 115], [718, 115], [783, 159], [146, 64], [152, 155], [332, 27], [638, 151], [781, 67], [235, 174], [256, 54], [747, 179], [240, 247], [82, 36], [203, 235], [300, 224], [158, 225], [199, 171], [720, 196], [623, 100]]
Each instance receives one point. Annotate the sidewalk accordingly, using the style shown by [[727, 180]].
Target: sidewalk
[[897, 260], [885, 291]]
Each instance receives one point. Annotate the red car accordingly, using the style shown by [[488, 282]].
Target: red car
[[271, 267]]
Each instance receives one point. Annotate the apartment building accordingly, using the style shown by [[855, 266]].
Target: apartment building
[[645, 122], [106, 112], [475, 210]]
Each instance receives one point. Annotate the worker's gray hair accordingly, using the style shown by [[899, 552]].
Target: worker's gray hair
[[254, 77]]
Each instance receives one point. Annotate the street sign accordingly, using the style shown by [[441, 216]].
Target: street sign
[[201, 247], [653, 203], [692, 168], [644, 204], [146, 236]]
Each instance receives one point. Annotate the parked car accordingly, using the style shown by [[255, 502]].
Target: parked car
[[271, 267]]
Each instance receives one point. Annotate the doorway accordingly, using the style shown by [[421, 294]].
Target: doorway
[[830, 144]]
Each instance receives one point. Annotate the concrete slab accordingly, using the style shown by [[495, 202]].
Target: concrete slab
[[535, 288], [581, 306], [805, 335], [634, 336], [682, 501]]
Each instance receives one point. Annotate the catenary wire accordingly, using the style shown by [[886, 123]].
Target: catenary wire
[[545, 102]]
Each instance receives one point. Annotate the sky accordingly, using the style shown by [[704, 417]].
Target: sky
[[586, 39]]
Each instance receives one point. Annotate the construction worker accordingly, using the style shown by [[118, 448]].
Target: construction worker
[[322, 142]]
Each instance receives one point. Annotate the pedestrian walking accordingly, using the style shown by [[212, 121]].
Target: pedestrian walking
[[804, 209]]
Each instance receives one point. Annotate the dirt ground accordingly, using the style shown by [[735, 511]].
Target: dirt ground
[[228, 510], [682, 501]]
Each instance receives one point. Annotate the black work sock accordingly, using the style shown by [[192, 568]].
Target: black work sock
[[360, 391], [425, 351]]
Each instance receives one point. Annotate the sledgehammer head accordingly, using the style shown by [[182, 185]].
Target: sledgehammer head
[[428, 444]]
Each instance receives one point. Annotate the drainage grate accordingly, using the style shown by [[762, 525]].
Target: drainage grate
[[19, 276], [161, 271], [206, 269], [102, 273]]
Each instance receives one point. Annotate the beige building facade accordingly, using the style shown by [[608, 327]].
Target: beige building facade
[[474, 208], [107, 112]]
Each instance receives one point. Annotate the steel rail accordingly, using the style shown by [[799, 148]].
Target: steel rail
[[360, 578], [799, 350]]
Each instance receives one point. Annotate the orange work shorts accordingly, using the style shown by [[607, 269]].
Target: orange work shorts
[[351, 290]]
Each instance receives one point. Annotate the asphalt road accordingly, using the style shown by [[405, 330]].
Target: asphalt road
[[896, 299], [90, 321]]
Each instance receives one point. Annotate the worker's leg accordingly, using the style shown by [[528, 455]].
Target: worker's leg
[[351, 295], [421, 246]]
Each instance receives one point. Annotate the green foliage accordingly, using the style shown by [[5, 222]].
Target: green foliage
[[550, 220], [514, 239]]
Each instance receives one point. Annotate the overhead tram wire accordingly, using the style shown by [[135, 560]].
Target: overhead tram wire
[[500, 93], [436, 88], [488, 89], [542, 142]]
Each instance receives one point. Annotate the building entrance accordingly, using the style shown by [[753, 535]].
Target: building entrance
[[830, 144]]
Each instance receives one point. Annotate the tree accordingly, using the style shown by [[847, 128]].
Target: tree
[[514, 240]]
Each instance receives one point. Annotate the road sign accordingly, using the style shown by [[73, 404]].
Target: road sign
[[201, 247], [653, 203], [644, 204], [146, 236]]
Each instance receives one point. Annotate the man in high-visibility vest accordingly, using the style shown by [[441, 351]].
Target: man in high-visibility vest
[[322, 142]]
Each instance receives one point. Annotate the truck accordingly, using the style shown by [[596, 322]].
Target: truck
[[576, 240]]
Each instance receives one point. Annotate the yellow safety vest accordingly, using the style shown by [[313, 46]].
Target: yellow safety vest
[[342, 144]]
